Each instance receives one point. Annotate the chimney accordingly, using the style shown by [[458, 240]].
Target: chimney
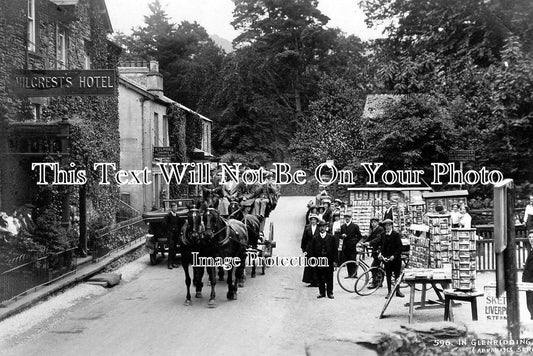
[[154, 79]]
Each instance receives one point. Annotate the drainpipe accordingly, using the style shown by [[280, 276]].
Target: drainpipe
[[143, 155]]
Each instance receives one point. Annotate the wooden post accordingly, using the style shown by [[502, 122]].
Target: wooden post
[[83, 221], [510, 269]]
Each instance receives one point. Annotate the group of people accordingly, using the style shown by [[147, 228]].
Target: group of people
[[460, 218], [257, 199], [327, 236]]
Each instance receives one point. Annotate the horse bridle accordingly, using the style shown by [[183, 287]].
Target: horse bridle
[[196, 231]]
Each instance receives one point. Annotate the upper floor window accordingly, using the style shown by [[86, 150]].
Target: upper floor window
[[31, 25], [86, 57], [61, 49], [165, 130], [156, 130]]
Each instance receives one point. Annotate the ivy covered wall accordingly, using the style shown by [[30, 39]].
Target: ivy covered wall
[[94, 134]]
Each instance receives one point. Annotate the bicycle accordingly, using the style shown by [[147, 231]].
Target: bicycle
[[372, 279], [347, 281]]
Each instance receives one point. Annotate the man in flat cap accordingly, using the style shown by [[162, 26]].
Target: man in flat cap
[[324, 245], [391, 252]]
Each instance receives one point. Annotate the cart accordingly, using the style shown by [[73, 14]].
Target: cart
[[157, 237], [266, 245]]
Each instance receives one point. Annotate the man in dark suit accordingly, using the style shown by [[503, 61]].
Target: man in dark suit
[[374, 241], [391, 253], [324, 245], [311, 230], [173, 225], [527, 275], [351, 235]]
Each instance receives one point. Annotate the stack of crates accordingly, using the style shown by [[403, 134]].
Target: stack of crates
[[440, 239], [464, 259], [419, 251]]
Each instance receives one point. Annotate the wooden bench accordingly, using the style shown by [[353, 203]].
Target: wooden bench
[[470, 296]]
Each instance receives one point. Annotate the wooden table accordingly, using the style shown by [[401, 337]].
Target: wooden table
[[413, 281]]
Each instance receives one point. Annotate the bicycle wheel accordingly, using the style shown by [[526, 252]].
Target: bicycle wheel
[[374, 276], [347, 281]]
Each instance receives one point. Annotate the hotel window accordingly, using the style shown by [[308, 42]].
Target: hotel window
[[165, 130], [156, 130], [31, 25], [61, 49], [86, 57], [36, 112]]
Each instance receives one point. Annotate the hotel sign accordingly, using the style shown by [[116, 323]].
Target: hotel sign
[[164, 152], [62, 82]]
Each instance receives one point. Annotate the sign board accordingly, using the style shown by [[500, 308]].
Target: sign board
[[500, 216], [462, 155], [163, 152], [495, 307], [62, 82]]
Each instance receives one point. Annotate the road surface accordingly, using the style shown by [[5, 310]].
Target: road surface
[[275, 314]]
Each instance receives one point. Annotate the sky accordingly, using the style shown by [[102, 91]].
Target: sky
[[215, 15]]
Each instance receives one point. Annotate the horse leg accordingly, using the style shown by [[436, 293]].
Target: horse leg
[[253, 268], [198, 276], [213, 279], [221, 274], [231, 294], [187, 281], [236, 284]]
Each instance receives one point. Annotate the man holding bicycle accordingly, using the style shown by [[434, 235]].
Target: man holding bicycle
[[391, 251], [374, 241]]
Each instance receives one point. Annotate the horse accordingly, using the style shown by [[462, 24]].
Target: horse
[[192, 241], [230, 238], [254, 224]]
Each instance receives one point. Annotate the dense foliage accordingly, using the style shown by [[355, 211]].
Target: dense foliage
[[463, 67]]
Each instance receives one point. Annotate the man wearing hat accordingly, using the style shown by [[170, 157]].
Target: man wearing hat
[[527, 275], [173, 224], [391, 251], [311, 230], [350, 235], [374, 241], [324, 245]]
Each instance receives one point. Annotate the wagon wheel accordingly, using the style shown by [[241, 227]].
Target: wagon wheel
[[269, 243], [153, 258]]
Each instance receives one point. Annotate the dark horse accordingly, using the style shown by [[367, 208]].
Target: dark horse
[[193, 242], [253, 224], [230, 239]]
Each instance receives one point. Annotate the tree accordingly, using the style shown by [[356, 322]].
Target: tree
[[412, 133], [291, 37], [334, 128]]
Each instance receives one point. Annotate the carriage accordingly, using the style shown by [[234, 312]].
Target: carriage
[[157, 239]]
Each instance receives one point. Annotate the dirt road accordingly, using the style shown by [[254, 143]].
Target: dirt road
[[275, 314]]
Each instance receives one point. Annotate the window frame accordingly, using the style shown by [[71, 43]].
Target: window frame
[[32, 27], [61, 43]]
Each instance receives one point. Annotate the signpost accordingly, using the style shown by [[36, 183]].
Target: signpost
[[39, 83], [164, 152], [462, 156], [505, 250]]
